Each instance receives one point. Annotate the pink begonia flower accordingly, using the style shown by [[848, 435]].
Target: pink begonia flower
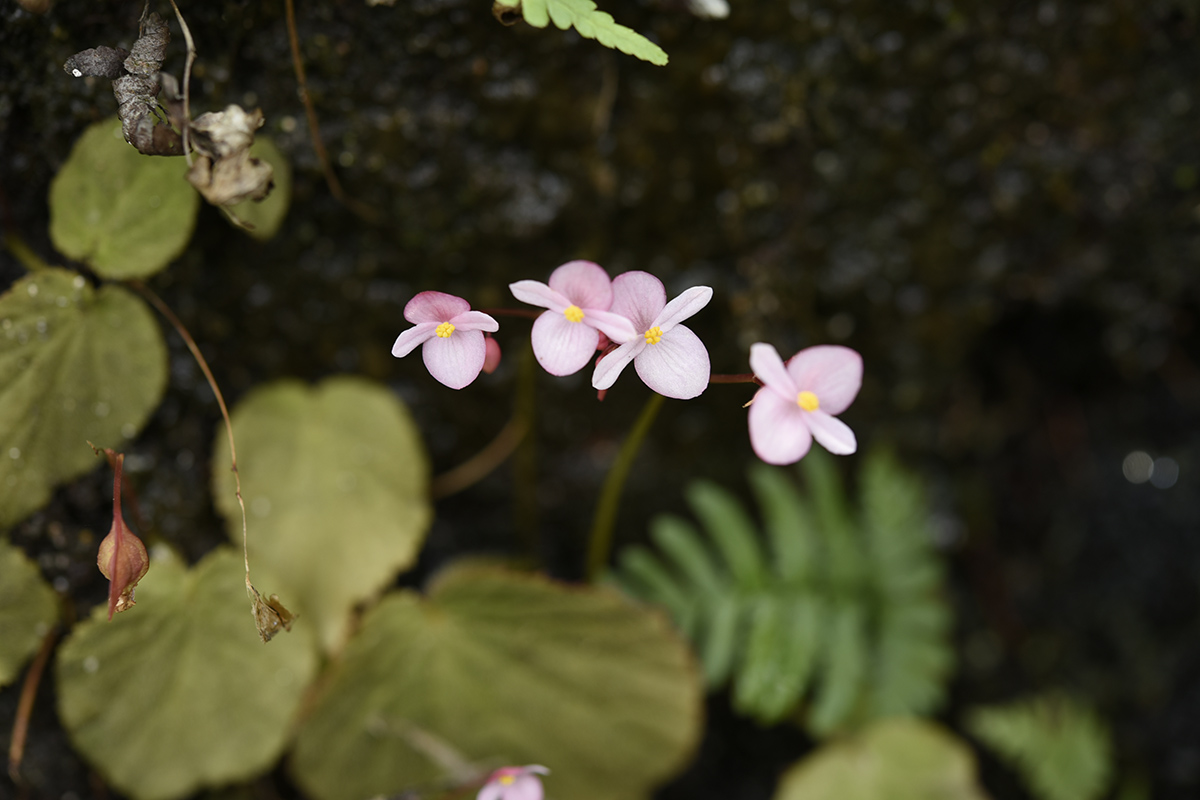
[[452, 336], [579, 296], [798, 400], [669, 358], [514, 783]]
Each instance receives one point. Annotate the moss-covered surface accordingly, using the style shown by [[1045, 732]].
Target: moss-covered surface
[[995, 203]]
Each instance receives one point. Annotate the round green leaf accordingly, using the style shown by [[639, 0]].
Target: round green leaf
[[125, 214], [266, 216], [77, 364], [27, 610], [336, 487], [498, 668], [900, 759], [178, 693]]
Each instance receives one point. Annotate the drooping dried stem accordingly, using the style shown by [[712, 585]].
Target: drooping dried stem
[[270, 615], [166, 311], [314, 128]]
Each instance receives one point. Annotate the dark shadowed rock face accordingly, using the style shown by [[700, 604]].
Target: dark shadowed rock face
[[997, 207]]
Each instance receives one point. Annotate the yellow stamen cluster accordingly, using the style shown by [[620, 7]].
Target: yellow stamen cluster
[[444, 330], [508, 780], [808, 401], [654, 335], [573, 314]]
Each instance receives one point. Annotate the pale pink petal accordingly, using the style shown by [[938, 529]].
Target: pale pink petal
[[475, 321], [525, 787], [778, 432], [639, 297], [539, 294], [491, 354], [675, 367], [832, 372], [491, 791], [832, 434], [682, 307], [456, 360], [538, 768], [584, 283], [614, 326], [769, 368], [562, 347], [434, 307], [609, 367], [410, 339]]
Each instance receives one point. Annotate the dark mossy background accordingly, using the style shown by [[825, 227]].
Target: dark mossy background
[[997, 203]]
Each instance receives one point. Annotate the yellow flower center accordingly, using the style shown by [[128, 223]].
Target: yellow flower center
[[573, 314], [507, 780], [654, 335], [808, 401], [444, 330]]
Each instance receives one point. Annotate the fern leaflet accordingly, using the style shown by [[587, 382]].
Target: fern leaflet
[[844, 606]]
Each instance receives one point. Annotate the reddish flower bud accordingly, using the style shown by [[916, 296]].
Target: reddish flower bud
[[491, 355], [122, 557]]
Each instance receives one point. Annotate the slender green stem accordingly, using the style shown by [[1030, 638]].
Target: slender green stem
[[600, 544], [22, 252]]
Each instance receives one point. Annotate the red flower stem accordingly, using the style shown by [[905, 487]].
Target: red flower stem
[[20, 729], [745, 377]]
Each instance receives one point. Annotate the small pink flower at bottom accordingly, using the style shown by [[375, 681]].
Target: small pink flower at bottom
[[668, 357], [514, 783], [454, 350], [798, 400]]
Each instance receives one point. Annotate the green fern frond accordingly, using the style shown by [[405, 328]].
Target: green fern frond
[[590, 22], [1059, 746], [811, 606]]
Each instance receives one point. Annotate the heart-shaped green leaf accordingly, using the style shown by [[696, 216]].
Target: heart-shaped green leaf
[[500, 668], [179, 693], [27, 610], [127, 215], [336, 486], [77, 364], [897, 759]]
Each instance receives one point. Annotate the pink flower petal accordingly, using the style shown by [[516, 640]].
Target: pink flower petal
[[682, 307], [457, 360], [562, 347], [769, 368], [609, 367], [639, 297], [833, 434], [525, 787], [539, 294], [778, 432], [410, 339], [434, 307], [675, 367], [832, 372], [586, 284], [491, 791], [614, 326], [475, 321]]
